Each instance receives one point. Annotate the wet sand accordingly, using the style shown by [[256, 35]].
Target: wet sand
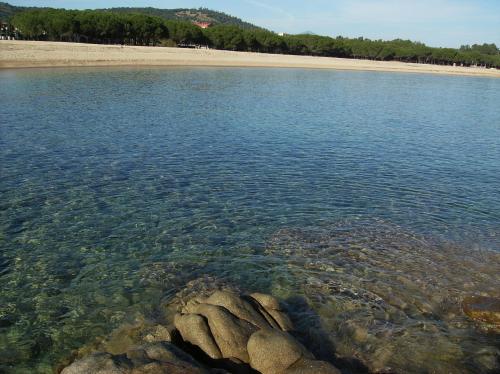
[[29, 54]]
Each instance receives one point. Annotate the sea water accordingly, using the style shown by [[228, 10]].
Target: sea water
[[369, 201]]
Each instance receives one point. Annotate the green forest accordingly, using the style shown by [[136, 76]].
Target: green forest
[[7, 11], [105, 26]]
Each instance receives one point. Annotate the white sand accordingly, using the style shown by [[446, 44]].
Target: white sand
[[27, 54]]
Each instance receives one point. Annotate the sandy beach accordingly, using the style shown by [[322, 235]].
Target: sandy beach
[[30, 54]]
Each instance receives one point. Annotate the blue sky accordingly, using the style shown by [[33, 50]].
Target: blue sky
[[447, 23]]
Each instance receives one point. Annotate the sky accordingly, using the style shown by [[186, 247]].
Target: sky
[[438, 23]]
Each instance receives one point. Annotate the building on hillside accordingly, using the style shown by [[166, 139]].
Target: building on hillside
[[203, 25]]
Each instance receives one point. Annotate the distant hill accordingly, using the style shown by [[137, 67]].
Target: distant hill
[[7, 11], [184, 14], [181, 14]]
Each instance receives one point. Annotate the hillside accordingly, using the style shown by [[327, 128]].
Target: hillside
[[181, 14], [7, 11], [184, 14]]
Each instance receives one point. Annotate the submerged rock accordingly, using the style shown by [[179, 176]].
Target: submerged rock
[[98, 363], [307, 366], [482, 308], [159, 333], [383, 297], [164, 358], [155, 358]]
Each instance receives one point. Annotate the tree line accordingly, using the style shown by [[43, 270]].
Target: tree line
[[95, 26]]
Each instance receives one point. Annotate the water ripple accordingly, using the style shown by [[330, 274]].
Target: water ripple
[[118, 186]]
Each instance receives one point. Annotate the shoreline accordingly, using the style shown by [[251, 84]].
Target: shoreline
[[34, 54]]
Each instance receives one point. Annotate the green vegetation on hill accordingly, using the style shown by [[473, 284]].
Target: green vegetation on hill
[[191, 15], [98, 26], [7, 11]]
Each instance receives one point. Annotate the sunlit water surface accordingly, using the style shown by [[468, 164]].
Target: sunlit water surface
[[372, 198]]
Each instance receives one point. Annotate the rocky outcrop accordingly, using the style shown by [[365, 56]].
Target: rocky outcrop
[[247, 329], [274, 351], [230, 333], [222, 330], [194, 329], [239, 307]]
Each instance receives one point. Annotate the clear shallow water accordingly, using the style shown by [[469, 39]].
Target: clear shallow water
[[118, 186]]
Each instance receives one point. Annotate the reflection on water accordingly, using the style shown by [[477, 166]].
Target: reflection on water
[[373, 197]]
